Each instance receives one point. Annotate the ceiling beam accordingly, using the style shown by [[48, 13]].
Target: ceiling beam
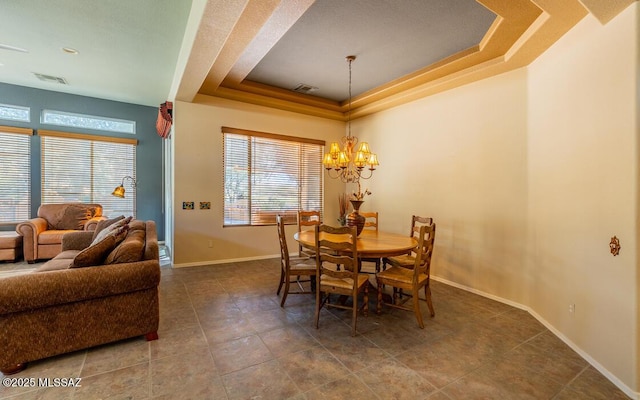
[[282, 19], [253, 18], [218, 17]]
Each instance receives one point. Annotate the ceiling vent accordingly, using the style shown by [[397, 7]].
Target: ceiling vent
[[304, 88], [51, 79]]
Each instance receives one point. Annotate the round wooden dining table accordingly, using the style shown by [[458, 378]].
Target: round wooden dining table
[[370, 244]]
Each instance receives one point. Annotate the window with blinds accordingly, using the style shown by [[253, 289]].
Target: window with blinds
[[86, 168], [267, 174], [15, 179]]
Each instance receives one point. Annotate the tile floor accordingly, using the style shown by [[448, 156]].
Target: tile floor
[[223, 335]]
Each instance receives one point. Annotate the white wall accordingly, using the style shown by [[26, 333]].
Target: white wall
[[583, 189], [198, 177], [459, 157]]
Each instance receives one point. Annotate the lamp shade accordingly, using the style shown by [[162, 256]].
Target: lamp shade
[[373, 161], [364, 148], [328, 161], [335, 150], [361, 159], [118, 192]]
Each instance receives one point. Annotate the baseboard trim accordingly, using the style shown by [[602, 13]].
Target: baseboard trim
[[225, 261], [627, 390]]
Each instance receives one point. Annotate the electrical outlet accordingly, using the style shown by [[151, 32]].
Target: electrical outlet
[[210, 243], [572, 308]]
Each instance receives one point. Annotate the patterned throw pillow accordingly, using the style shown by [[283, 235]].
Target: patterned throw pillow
[[130, 250], [109, 229], [97, 252], [105, 223]]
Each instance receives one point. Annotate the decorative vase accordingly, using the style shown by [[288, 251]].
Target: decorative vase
[[354, 218]]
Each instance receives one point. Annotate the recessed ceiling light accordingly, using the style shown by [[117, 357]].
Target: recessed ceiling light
[[70, 50]]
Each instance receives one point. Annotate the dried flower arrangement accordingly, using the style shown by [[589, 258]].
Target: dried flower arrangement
[[343, 207], [359, 195]]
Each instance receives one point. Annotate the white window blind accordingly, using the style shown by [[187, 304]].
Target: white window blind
[[15, 175], [86, 168], [267, 174]]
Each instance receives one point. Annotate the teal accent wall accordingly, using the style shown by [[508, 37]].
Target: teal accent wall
[[148, 152]]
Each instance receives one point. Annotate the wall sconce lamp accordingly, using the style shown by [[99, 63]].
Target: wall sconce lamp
[[119, 191]]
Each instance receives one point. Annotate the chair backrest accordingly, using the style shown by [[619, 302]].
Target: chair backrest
[[371, 220], [416, 223], [284, 251], [307, 218], [424, 250], [69, 215], [338, 246]]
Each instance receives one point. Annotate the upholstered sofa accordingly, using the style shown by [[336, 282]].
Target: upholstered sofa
[[42, 236], [61, 307]]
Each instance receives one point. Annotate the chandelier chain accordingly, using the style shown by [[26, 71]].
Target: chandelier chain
[[349, 111]]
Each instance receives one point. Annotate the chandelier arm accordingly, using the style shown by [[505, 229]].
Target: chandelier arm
[[367, 177], [338, 175], [329, 170]]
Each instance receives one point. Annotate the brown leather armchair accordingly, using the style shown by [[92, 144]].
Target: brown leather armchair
[[42, 236]]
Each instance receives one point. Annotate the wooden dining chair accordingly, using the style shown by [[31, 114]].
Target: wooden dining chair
[[411, 280], [340, 244], [371, 222], [407, 260], [293, 268], [307, 219]]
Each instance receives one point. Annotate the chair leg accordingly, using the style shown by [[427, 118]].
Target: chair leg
[[379, 302], [366, 300], [427, 296], [318, 300], [354, 315], [281, 281], [416, 308], [286, 291]]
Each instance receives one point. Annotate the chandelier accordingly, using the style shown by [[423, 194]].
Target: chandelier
[[346, 163]]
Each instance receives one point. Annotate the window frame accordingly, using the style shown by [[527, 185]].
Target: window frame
[[255, 140]]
